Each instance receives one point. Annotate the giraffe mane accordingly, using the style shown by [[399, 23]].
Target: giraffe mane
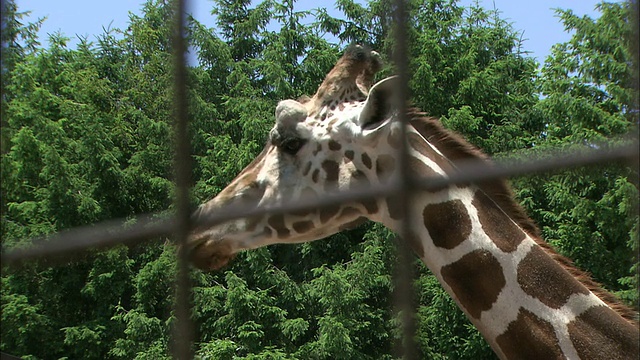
[[458, 150]]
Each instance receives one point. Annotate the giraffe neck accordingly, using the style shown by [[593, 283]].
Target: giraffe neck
[[524, 302]]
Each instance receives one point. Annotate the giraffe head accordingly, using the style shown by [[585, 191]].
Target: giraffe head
[[318, 145], [526, 300]]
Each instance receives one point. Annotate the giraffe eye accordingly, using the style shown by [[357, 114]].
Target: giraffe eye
[[292, 146]]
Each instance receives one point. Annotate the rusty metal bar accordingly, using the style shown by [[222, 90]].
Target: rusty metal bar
[[478, 171], [183, 327], [133, 231], [68, 244], [403, 290]]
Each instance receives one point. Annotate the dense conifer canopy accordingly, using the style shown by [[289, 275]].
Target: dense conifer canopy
[[87, 136]]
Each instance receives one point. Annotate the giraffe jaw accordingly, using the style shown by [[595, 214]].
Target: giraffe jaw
[[208, 252], [210, 257], [206, 259]]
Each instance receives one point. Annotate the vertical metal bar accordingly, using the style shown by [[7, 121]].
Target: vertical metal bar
[[635, 107], [404, 294], [183, 329]]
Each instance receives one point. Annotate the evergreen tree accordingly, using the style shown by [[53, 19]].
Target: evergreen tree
[[590, 214], [87, 136]]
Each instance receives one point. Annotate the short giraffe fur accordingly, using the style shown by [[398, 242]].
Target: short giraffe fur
[[526, 300]]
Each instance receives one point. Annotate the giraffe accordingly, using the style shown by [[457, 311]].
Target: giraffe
[[526, 300]]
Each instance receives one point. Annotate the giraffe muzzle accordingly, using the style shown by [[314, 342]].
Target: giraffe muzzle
[[208, 254]]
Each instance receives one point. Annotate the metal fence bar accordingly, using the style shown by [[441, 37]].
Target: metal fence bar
[[134, 231], [478, 171], [183, 328], [403, 289], [68, 244]]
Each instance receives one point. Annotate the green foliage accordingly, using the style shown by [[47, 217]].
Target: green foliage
[[443, 330], [471, 71], [590, 214], [23, 324], [87, 134]]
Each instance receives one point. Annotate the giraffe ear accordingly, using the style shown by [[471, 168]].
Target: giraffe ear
[[379, 105]]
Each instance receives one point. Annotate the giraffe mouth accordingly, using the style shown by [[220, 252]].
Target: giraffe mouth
[[211, 255], [210, 262]]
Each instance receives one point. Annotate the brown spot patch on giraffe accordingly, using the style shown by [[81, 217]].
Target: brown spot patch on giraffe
[[334, 145], [349, 212], [418, 144], [267, 231], [328, 212], [614, 303], [496, 224], [353, 224], [394, 206], [545, 280], [315, 175], [307, 168], [529, 337], [448, 223], [303, 213], [420, 170], [456, 149], [332, 170], [277, 223], [302, 227], [476, 280], [330, 125], [252, 222], [394, 138], [371, 205], [600, 333], [385, 165], [366, 160], [358, 180], [349, 155]]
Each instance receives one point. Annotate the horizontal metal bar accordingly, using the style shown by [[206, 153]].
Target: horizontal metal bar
[[70, 243], [116, 232], [477, 171]]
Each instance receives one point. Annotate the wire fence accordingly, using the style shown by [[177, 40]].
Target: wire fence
[[71, 244]]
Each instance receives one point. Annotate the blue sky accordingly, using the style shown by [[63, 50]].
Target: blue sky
[[535, 19]]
